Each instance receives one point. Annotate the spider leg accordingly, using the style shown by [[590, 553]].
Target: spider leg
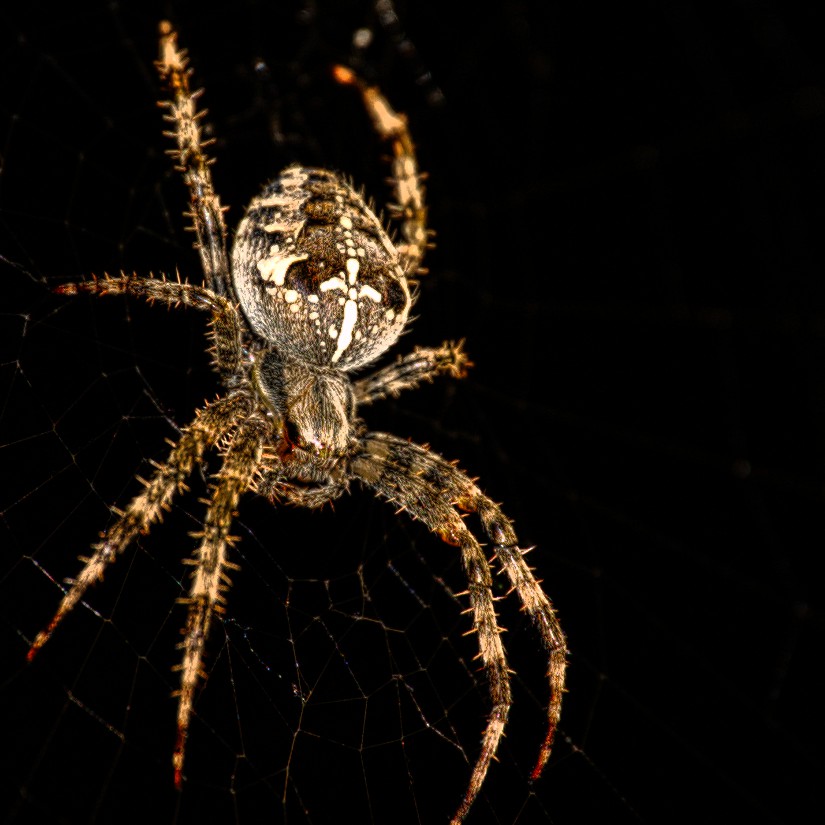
[[226, 330], [404, 474], [423, 364], [206, 210], [410, 208], [431, 489], [533, 599], [147, 507], [241, 462]]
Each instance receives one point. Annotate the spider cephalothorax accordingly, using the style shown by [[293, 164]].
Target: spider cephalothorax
[[315, 289]]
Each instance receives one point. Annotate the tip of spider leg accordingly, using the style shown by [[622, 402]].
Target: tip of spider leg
[[177, 761], [344, 76], [35, 646], [42, 637], [537, 771]]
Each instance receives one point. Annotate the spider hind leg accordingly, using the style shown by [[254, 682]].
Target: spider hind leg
[[410, 207], [206, 210]]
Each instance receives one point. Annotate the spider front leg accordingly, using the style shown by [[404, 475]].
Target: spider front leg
[[533, 599], [206, 210], [431, 489], [384, 465], [146, 508], [241, 462], [422, 364]]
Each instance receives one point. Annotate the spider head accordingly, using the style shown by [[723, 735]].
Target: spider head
[[316, 404], [315, 273]]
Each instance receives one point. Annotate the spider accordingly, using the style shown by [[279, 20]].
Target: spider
[[314, 291]]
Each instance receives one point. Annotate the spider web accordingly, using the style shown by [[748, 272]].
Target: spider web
[[630, 219]]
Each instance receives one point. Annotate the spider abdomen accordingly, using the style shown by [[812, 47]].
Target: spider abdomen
[[316, 273]]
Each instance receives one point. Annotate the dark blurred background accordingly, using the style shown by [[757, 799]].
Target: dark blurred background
[[628, 200]]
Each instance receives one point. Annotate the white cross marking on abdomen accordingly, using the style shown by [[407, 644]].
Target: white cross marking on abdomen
[[351, 305]]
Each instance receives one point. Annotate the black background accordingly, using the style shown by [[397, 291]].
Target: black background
[[628, 201]]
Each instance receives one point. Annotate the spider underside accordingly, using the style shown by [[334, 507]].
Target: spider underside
[[315, 289]]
